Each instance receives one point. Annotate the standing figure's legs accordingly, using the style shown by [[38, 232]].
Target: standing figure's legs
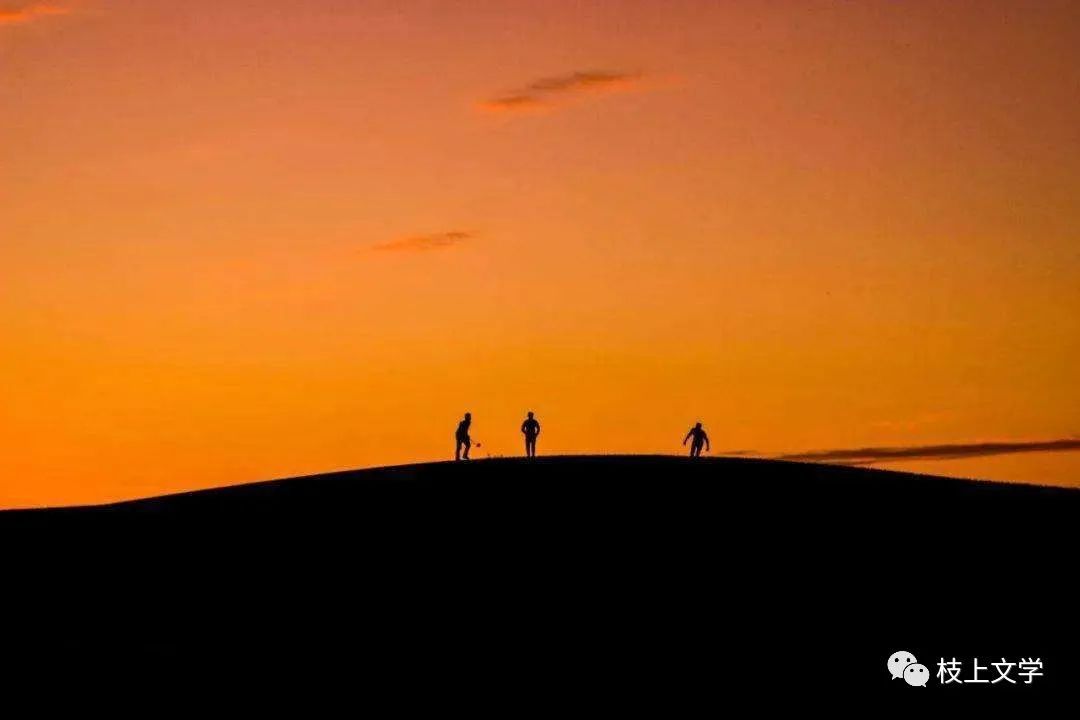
[[695, 450], [468, 444], [457, 449], [530, 446]]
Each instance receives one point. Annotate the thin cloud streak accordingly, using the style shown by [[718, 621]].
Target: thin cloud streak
[[424, 243], [550, 91], [513, 103], [27, 13], [583, 81], [870, 455]]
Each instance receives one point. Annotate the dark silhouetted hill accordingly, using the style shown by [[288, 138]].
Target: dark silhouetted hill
[[632, 571]]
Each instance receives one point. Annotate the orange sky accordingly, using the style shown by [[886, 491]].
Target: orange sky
[[248, 240]]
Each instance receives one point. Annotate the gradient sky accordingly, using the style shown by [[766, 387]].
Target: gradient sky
[[243, 240]]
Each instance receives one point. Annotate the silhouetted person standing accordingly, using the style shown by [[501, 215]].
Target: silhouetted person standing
[[462, 437], [530, 428], [700, 438]]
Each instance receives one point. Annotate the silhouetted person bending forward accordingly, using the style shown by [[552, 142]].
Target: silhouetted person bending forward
[[462, 437], [530, 428], [700, 438]]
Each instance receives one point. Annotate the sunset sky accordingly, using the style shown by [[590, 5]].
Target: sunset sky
[[254, 239]]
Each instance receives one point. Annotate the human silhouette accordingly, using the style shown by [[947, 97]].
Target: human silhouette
[[530, 428], [700, 437], [462, 437]]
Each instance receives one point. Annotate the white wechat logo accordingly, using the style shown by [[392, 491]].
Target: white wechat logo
[[903, 664]]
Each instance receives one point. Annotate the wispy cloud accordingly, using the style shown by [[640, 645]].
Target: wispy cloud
[[424, 243], [551, 91], [513, 103], [583, 81], [30, 11], [870, 455]]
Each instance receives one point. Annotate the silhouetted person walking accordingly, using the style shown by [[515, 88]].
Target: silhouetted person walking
[[700, 438], [530, 428], [462, 437]]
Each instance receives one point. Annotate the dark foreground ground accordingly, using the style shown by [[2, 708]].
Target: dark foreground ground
[[628, 578]]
